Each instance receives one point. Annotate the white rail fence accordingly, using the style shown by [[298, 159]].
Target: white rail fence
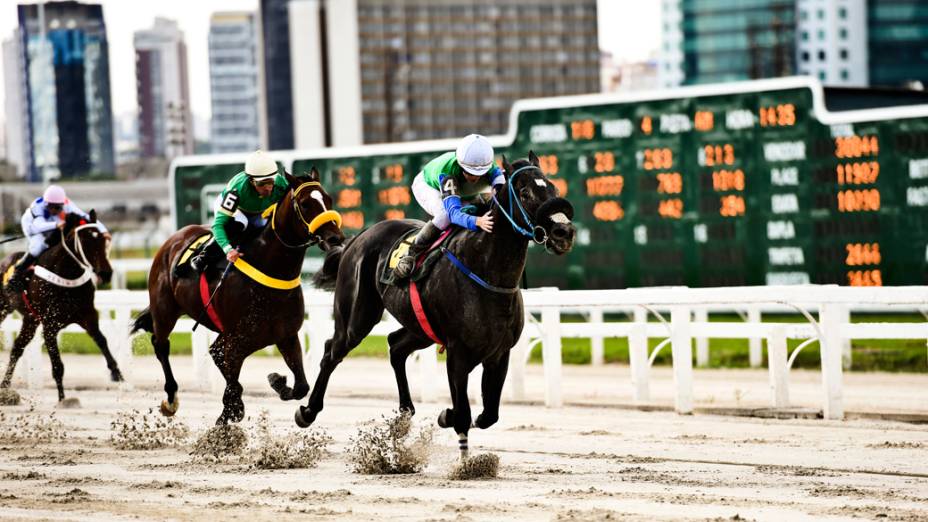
[[648, 308]]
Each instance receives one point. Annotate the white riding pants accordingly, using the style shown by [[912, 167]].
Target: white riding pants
[[37, 244], [430, 200]]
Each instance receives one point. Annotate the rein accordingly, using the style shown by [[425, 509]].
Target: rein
[[537, 232]]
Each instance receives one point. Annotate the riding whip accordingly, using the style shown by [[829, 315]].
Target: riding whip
[[14, 238], [211, 296]]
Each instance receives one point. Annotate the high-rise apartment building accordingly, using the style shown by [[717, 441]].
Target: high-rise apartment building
[[840, 42], [15, 105], [69, 124], [376, 71], [275, 62], [897, 40], [233, 80], [165, 120]]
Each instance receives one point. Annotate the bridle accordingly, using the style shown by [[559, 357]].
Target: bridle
[[536, 233], [80, 257], [327, 216]]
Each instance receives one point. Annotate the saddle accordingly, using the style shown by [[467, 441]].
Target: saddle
[[424, 263], [182, 267]]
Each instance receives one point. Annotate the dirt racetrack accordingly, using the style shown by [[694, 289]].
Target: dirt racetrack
[[575, 463]]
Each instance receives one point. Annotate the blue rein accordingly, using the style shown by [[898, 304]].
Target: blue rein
[[534, 230]]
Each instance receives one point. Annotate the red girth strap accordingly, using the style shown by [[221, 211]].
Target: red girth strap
[[210, 311], [417, 300], [29, 307]]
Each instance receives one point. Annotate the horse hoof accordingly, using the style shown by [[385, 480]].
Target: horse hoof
[[408, 410], [116, 376], [446, 418], [277, 381], [70, 403], [169, 409], [304, 417]]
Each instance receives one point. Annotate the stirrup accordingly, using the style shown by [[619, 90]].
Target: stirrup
[[403, 273]]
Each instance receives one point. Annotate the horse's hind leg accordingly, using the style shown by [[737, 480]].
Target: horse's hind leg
[[229, 361], [163, 322], [50, 333], [26, 333], [91, 324], [494, 376], [402, 343], [292, 352]]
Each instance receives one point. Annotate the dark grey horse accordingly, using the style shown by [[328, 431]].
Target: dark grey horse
[[478, 324]]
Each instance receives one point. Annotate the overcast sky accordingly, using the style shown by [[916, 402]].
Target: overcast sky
[[630, 29]]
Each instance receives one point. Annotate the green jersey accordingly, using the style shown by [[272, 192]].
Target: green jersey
[[240, 195], [446, 166]]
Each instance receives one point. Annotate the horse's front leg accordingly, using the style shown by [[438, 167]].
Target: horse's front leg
[[229, 359], [292, 353], [91, 324], [494, 376], [459, 415], [50, 333], [26, 333]]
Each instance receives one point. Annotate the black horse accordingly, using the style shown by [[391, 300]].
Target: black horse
[[77, 259], [478, 323]]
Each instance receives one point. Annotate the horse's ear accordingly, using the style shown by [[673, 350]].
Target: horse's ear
[[507, 168], [314, 174], [93, 215], [533, 159], [291, 180]]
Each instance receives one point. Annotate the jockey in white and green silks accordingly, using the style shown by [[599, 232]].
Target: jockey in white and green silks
[[442, 184], [241, 205]]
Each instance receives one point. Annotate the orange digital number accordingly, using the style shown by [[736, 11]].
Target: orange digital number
[[865, 278], [548, 164], [353, 219], [349, 198], [704, 120], [725, 180], [858, 173], [857, 146], [394, 196], [783, 115], [608, 211], [603, 162], [393, 173], [347, 175], [657, 159], [669, 183], [582, 129], [859, 200], [731, 206], [561, 185], [647, 125], [719, 154], [394, 213], [859, 254], [605, 186], [671, 208]]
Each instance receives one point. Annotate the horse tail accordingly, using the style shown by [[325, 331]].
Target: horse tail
[[326, 276], [143, 322]]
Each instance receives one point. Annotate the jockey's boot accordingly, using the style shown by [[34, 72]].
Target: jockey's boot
[[17, 282], [209, 254], [428, 235]]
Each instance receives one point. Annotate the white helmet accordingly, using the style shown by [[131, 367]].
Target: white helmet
[[54, 195], [475, 154], [259, 165]]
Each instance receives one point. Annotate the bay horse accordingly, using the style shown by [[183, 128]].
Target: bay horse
[[251, 315], [477, 323], [76, 262]]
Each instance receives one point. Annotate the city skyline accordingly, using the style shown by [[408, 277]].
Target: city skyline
[[629, 30]]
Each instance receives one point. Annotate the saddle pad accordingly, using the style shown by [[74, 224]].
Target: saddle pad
[[193, 247], [8, 274], [400, 248]]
